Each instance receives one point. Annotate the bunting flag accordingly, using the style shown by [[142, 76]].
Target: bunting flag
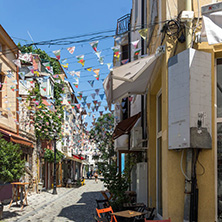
[[106, 107], [65, 66], [116, 50], [88, 105], [143, 33], [91, 82], [118, 39], [96, 71], [84, 98], [95, 102], [17, 62], [27, 57], [93, 109], [135, 43], [80, 57], [56, 76], [78, 106], [96, 108], [97, 77], [98, 53], [101, 60], [71, 49], [12, 88], [80, 94], [72, 73], [93, 95], [125, 61], [82, 62], [47, 65], [89, 113], [109, 65], [97, 91], [94, 45], [101, 96], [137, 52], [22, 75], [99, 103], [101, 113], [79, 98], [89, 69], [78, 73], [76, 84], [84, 104], [63, 61], [57, 54]]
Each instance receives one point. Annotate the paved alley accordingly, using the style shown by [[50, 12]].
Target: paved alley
[[70, 204]]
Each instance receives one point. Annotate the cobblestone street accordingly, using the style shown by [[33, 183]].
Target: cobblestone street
[[70, 204]]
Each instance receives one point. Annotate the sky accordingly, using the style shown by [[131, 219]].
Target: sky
[[26, 20]]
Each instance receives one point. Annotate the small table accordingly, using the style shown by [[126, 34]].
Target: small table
[[16, 186], [128, 213]]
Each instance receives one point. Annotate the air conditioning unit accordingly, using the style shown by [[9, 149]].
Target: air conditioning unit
[[136, 138]]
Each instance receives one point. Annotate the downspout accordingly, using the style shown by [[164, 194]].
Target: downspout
[[189, 153]]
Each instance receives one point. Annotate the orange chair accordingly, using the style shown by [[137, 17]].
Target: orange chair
[[166, 220], [106, 210]]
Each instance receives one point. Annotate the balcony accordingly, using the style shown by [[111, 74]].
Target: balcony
[[122, 24]]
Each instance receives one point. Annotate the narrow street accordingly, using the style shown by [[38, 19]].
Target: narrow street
[[70, 204]]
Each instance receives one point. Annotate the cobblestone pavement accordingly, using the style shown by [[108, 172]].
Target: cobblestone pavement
[[70, 204]]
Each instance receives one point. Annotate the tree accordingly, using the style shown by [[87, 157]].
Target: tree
[[11, 164], [117, 184]]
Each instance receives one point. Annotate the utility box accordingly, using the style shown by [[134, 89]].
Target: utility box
[[189, 100]]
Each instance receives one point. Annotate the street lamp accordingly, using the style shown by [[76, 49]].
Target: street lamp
[[54, 184]]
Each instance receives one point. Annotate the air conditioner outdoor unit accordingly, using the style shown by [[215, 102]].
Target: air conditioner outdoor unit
[[136, 138]]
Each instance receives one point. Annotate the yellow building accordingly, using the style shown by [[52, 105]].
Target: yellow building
[[183, 107]]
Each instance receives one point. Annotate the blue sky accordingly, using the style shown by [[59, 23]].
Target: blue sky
[[54, 19]]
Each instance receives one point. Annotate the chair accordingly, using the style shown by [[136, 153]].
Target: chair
[[105, 211], [100, 204], [166, 220]]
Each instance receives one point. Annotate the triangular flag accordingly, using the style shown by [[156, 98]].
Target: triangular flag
[[109, 65], [97, 77], [47, 65], [80, 94], [17, 62], [95, 102], [78, 106], [94, 45], [125, 61], [72, 73], [93, 95], [101, 113], [88, 105], [63, 61], [84, 98], [135, 43], [98, 53], [71, 49], [82, 62], [91, 82], [143, 33], [57, 53], [79, 97], [78, 73], [101, 96], [99, 103], [137, 52], [101, 60], [89, 69], [65, 66], [80, 57], [22, 75], [96, 71], [97, 91]]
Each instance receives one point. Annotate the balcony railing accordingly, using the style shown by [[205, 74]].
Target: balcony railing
[[122, 24]]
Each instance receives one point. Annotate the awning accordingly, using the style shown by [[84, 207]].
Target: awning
[[125, 126], [17, 139], [212, 23], [77, 159], [130, 79]]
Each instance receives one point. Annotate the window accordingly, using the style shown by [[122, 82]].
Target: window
[[159, 154], [1, 87], [124, 53]]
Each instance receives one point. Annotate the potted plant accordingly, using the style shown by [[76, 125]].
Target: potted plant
[[12, 167]]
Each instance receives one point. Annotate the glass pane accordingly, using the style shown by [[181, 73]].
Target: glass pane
[[219, 88], [219, 170], [159, 177]]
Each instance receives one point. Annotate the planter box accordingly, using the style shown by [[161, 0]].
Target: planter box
[[5, 193]]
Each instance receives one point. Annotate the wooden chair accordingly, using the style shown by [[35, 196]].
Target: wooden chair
[[166, 220], [105, 211]]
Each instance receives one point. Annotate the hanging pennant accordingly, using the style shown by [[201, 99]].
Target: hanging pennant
[[137, 52], [97, 77], [125, 61], [143, 33], [71, 49], [101, 60], [116, 50], [94, 45], [95, 102], [91, 82], [93, 95], [97, 91], [65, 66], [22, 75], [96, 71], [78, 106], [47, 65], [88, 105], [109, 65], [135, 43], [57, 53], [101, 113], [98, 53], [89, 69], [82, 62], [72, 73], [63, 60], [84, 98], [101, 96], [78, 73], [99, 103], [17, 62]]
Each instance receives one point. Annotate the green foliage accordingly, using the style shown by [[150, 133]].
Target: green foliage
[[11, 165], [117, 184], [49, 156], [47, 122]]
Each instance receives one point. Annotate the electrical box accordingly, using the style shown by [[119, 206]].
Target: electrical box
[[187, 16], [189, 100]]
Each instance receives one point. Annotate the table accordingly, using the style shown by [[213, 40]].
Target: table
[[16, 187], [128, 213]]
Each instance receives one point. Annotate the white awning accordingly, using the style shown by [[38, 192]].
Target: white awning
[[130, 79], [212, 23]]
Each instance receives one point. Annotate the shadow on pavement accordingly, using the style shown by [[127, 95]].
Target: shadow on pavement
[[7, 214], [84, 210]]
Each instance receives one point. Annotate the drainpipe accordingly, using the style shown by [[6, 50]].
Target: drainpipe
[[189, 153]]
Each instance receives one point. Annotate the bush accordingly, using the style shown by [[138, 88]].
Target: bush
[[12, 167]]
